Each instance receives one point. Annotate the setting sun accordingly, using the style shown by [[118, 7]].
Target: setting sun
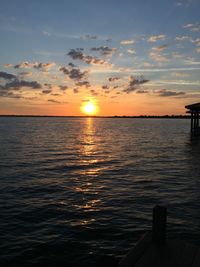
[[89, 108]]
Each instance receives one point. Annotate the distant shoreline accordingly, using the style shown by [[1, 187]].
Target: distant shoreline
[[115, 117]]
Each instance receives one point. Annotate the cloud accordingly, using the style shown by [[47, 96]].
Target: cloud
[[7, 76], [198, 50], [131, 51], [183, 3], [77, 54], [47, 91], [197, 41], [113, 79], [166, 93], [194, 27], [127, 42], [142, 92], [180, 74], [104, 50], [63, 87], [160, 48], [45, 33], [48, 85], [177, 55], [134, 83], [183, 38], [155, 38], [35, 65], [43, 66], [105, 87], [89, 37], [83, 83], [93, 92], [12, 82], [25, 74], [75, 90], [56, 94], [74, 73], [10, 94], [24, 65], [18, 84], [179, 4], [189, 25], [8, 65], [158, 57], [191, 61], [70, 64], [56, 101]]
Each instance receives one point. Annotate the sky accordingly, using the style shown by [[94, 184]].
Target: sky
[[130, 57]]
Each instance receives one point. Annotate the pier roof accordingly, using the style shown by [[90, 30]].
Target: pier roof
[[195, 107]]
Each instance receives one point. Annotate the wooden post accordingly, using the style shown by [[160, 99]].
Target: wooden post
[[192, 121], [159, 224]]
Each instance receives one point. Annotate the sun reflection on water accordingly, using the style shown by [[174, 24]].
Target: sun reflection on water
[[88, 145], [89, 187]]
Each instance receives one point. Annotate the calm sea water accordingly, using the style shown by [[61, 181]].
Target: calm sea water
[[73, 190]]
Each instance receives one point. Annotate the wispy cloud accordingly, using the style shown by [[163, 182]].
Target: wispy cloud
[[63, 87], [198, 50], [24, 74], [158, 57], [194, 27], [89, 37], [183, 38], [131, 51], [180, 74], [57, 101], [127, 42], [155, 38], [47, 91], [160, 48], [168, 93], [141, 91], [7, 76], [104, 50], [46, 33], [183, 3], [113, 79], [8, 65], [83, 83], [191, 61]]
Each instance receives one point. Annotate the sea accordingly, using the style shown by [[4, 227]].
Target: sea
[[80, 191]]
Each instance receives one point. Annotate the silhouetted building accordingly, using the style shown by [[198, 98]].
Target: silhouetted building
[[194, 109]]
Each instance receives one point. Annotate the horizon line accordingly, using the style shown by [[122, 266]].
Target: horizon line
[[106, 116]]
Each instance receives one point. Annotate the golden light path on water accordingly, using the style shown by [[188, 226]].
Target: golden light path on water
[[88, 187]]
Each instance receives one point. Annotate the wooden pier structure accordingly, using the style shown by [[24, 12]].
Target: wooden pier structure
[[194, 110], [154, 250]]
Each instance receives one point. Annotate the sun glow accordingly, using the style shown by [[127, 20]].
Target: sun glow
[[89, 108]]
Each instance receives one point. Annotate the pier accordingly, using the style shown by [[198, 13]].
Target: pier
[[194, 110], [154, 250]]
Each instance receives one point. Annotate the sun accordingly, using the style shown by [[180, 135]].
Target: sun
[[89, 108]]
